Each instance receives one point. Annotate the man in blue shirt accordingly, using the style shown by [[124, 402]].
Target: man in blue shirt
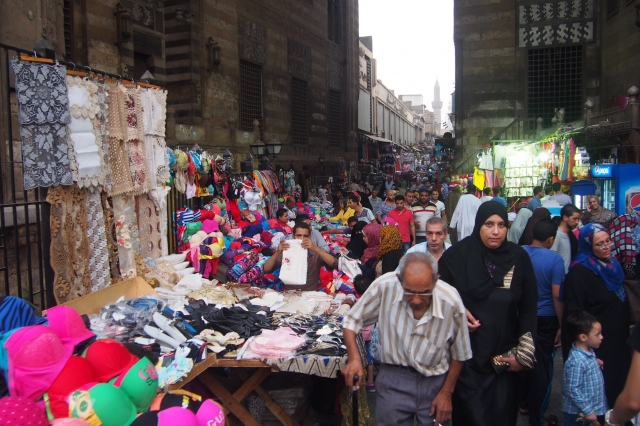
[[497, 192], [534, 202], [549, 269]]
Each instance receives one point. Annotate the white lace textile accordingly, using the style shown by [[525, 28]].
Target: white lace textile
[[96, 233], [294, 264]]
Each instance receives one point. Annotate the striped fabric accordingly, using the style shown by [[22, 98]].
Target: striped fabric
[[426, 345], [15, 313]]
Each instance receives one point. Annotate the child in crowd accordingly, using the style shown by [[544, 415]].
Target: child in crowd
[[361, 283], [583, 397]]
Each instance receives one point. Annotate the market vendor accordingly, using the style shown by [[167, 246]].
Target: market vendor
[[417, 377], [316, 258], [316, 236]]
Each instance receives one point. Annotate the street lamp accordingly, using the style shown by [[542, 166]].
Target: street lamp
[[247, 164], [258, 148], [274, 146]]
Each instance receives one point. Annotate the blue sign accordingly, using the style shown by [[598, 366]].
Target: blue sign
[[602, 171]]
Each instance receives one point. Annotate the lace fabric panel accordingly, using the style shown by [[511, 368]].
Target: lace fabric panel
[[134, 121], [112, 247], [126, 231], [117, 121], [154, 106], [45, 155], [97, 236], [70, 246], [151, 162], [41, 93], [138, 166], [85, 141], [102, 121], [149, 227], [120, 169]]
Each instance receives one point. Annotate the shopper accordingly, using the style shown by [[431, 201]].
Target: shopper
[[406, 226], [549, 270], [497, 196], [362, 213], [464, 215], [625, 235], [487, 195], [566, 244], [316, 258], [558, 195], [290, 205], [390, 252], [361, 284], [596, 213], [354, 186], [628, 403], [386, 206], [436, 235], [548, 193], [535, 202], [527, 236], [498, 287], [409, 199], [340, 213], [371, 237], [374, 200], [450, 205], [388, 183], [583, 385], [519, 224], [423, 210], [416, 377], [445, 187], [595, 284], [440, 208]]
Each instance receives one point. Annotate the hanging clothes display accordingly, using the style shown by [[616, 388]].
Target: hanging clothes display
[[43, 114]]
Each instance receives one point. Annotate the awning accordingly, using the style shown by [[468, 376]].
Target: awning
[[379, 139]]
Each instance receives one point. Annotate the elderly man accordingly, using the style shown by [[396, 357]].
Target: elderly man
[[424, 342], [386, 206], [436, 234], [316, 258]]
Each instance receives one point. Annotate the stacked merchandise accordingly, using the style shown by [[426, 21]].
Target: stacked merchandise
[[100, 149]]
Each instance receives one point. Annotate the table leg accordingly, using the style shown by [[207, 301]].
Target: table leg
[[228, 400], [272, 405]]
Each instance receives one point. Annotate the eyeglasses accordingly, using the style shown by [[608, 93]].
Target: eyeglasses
[[411, 295], [604, 245]]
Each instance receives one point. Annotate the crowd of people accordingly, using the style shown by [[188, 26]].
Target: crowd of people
[[471, 303]]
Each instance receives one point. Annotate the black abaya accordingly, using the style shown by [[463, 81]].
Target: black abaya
[[586, 291]]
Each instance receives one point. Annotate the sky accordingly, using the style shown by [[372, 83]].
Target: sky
[[412, 44]]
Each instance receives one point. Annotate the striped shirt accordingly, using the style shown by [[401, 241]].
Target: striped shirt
[[426, 345], [421, 214]]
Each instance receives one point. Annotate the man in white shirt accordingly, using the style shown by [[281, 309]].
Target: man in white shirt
[[560, 197], [464, 217], [436, 235], [423, 210], [439, 204], [413, 310], [566, 244], [362, 213], [487, 195]]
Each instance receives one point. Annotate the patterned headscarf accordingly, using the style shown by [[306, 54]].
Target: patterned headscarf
[[390, 240], [609, 270], [372, 231], [623, 231]]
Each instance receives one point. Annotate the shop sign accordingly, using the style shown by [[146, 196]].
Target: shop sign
[[601, 171]]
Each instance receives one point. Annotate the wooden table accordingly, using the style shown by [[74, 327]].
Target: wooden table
[[233, 402]]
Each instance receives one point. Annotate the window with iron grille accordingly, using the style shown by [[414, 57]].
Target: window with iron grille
[[334, 21], [67, 12], [612, 7], [334, 118], [250, 95], [299, 111], [554, 80]]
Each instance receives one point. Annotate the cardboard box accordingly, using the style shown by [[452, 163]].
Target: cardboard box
[[130, 289]]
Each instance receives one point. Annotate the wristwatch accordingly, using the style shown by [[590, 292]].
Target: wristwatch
[[607, 417]]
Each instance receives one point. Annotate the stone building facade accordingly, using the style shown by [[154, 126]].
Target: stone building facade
[[518, 60], [291, 64]]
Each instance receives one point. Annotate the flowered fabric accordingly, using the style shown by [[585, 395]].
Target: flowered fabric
[[69, 242], [43, 112], [96, 234], [126, 230], [149, 227], [609, 271]]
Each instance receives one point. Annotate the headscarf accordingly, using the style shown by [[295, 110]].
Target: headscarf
[[336, 208], [356, 245], [390, 240], [451, 202], [372, 231], [624, 234], [539, 214], [484, 268], [608, 270], [600, 215], [518, 225]]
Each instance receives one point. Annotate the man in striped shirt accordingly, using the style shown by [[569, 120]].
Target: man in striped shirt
[[424, 341]]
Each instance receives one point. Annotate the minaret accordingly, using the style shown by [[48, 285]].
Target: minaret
[[437, 106]]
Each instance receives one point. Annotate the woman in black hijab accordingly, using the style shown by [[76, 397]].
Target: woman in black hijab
[[498, 287], [356, 245]]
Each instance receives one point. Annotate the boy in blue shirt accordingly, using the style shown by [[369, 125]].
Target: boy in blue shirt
[[583, 394]]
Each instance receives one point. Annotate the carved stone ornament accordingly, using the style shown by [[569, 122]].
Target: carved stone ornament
[[252, 40], [334, 74], [299, 60]]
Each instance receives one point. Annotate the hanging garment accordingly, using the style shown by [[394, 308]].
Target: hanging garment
[[118, 155], [70, 246], [478, 178], [43, 112], [294, 264], [486, 160], [154, 112], [149, 227], [97, 237], [126, 230]]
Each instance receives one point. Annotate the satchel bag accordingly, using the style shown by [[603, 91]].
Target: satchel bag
[[350, 267]]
